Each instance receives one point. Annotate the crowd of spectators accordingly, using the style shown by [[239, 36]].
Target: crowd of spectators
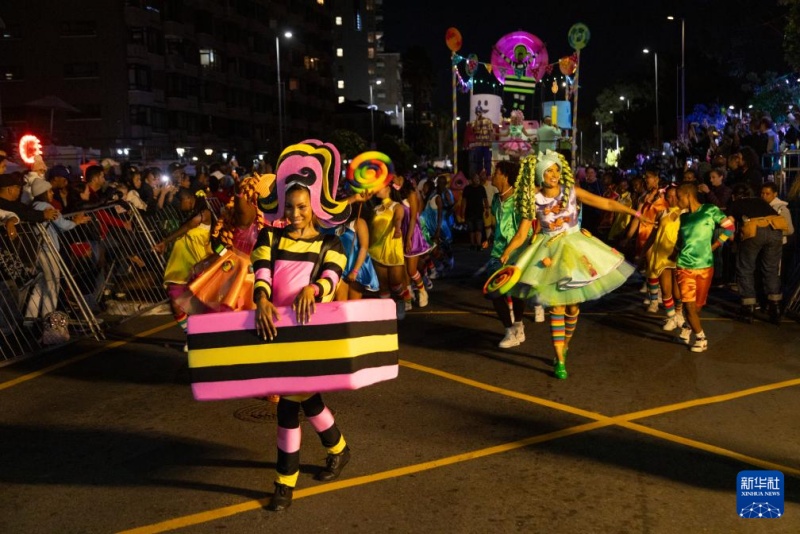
[[88, 216]]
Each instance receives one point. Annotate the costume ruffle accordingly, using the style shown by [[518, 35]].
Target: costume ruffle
[[516, 145], [366, 276], [224, 284], [419, 244], [568, 267]]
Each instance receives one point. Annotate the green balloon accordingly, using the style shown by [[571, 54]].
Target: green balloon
[[578, 36]]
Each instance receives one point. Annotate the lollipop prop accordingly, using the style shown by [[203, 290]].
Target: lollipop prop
[[502, 281], [370, 172], [29, 148]]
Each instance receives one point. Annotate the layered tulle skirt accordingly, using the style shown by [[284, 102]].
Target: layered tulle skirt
[[568, 267], [224, 283], [419, 244]]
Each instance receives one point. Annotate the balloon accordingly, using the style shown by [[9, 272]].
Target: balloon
[[578, 36], [453, 39], [567, 65], [519, 52], [370, 171]]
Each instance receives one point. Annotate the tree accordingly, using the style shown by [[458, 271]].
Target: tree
[[419, 82], [791, 34], [349, 143]]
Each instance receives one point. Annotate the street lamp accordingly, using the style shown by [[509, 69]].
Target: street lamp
[[600, 124], [372, 114], [683, 74], [655, 58], [629, 101], [288, 35]]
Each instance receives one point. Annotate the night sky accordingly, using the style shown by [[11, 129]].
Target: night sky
[[721, 37]]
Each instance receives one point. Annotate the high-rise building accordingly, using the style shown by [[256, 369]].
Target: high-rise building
[[151, 76]]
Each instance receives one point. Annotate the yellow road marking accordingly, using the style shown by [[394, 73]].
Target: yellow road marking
[[30, 376], [506, 392], [226, 511], [624, 420], [711, 448]]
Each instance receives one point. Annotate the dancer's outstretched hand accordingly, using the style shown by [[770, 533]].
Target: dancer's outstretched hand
[[266, 315]]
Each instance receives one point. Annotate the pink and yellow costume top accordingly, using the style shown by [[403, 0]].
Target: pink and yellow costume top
[[283, 266]]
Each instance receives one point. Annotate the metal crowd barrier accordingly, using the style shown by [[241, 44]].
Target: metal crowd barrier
[[38, 284]]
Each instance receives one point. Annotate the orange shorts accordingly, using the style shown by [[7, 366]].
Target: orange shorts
[[694, 284]]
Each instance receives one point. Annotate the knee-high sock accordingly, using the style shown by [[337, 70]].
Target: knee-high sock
[[288, 465], [652, 288], [557, 333], [401, 292], [417, 280], [182, 318], [570, 323], [322, 420], [669, 304]]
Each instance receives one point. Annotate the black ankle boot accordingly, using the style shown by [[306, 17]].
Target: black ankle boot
[[746, 313], [334, 465], [281, 499], [774, 310]]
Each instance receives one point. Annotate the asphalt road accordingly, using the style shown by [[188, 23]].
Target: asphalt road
[[644, 436]]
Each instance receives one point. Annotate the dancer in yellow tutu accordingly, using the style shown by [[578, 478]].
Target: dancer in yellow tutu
[[386, 250], [561, 266], [225, 279]]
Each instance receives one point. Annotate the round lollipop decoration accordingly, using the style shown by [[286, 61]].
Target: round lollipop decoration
[[29, 148], [369, 172], [502, 281]]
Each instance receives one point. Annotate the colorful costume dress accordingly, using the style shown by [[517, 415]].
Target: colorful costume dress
[[429, 218], [187, 251], [383, 246], [658, 257], [562, 265], [419, 244], [366, 276], [226, 282], [650, 212], [517, 143]]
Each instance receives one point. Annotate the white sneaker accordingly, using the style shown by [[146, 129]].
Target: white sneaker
[[685, 334], [643, 289], [433, 275], [538, 314], [652, 307], [422, 298], [186, 348], [672, 322], [519, 331], [510, 339], [407, 306], [700, 345]]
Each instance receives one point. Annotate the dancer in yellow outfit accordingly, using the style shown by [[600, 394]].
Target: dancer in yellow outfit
[[386, 250], [661, 260]]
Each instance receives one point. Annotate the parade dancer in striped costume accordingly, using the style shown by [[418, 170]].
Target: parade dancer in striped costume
[[298, 266]]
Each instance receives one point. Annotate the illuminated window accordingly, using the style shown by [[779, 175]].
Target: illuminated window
[[371, 37], [209, 58], [340, 52], [321, 2], [311, 63], [340, 84], [338, 21], [371, 53], [341, 100]]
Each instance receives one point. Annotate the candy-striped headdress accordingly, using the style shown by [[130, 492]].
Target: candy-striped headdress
[[316, 166]]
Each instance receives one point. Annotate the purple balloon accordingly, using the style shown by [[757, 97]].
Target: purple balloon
[[519, 53]]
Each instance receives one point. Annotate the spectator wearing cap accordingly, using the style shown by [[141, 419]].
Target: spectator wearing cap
[[59, 177], [10, 192], [44, 295]]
